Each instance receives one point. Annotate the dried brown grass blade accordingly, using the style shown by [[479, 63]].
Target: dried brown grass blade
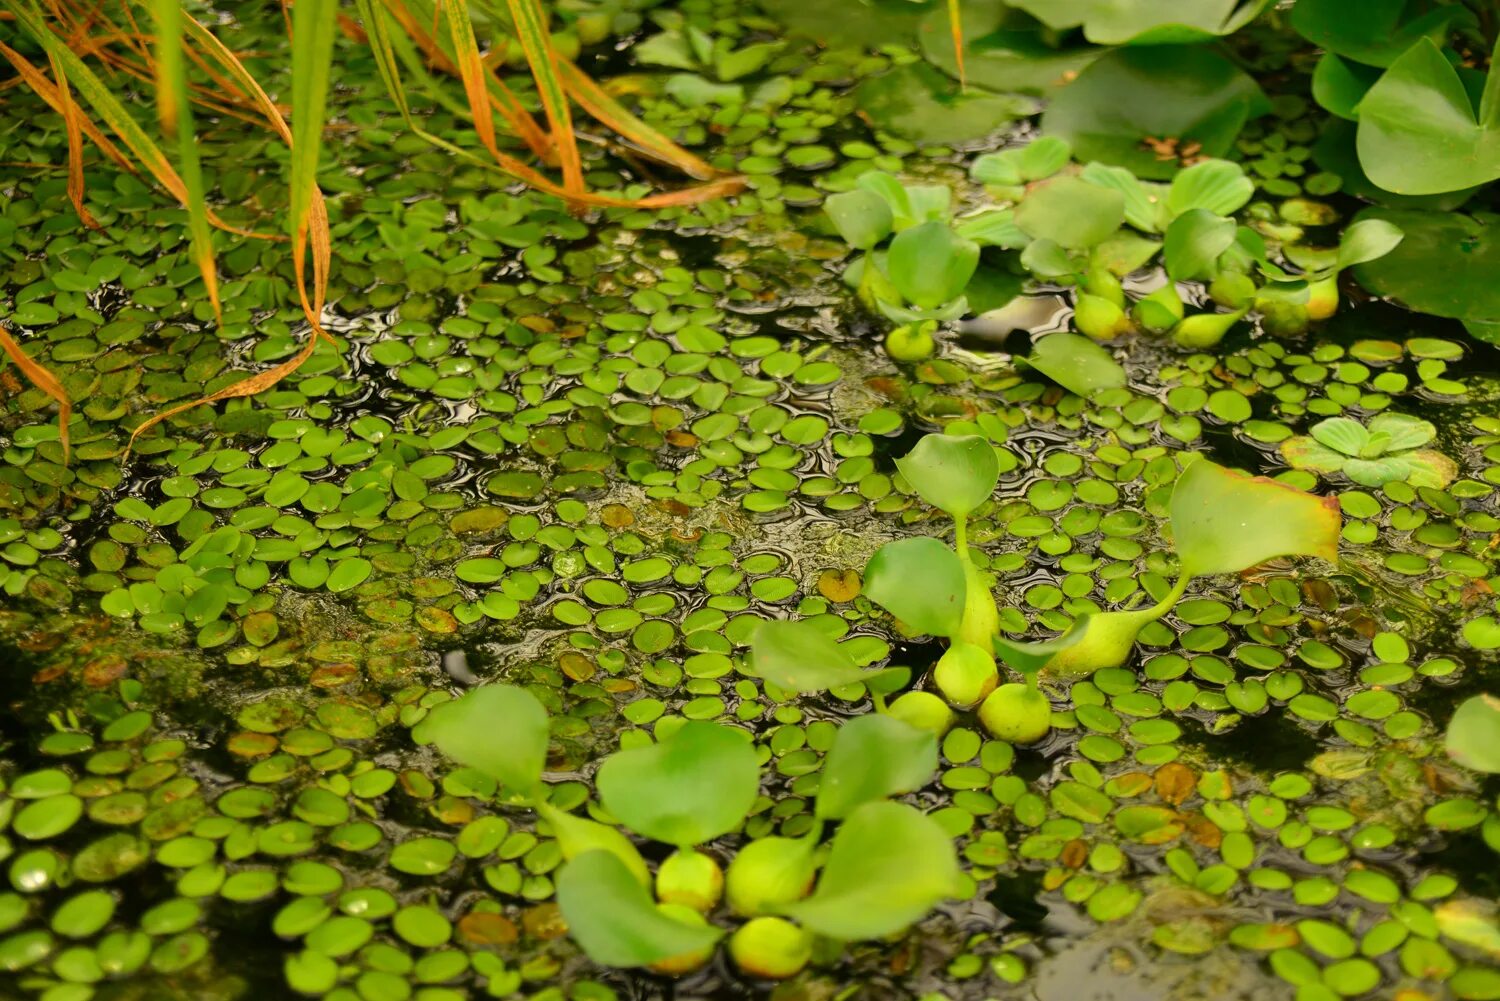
[[71, 117], [45, 89], [536, 41], [603, 108], [42, 378]]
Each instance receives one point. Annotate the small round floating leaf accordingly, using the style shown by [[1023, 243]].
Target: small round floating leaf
[[954, 473], [889, 865], [874, 757], [499, 729], [1225, 522], [612, 916], [692, 787], [921, 582]]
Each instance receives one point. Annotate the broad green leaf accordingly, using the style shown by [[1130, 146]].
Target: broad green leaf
[[1225, 522], [921, 104], [930, 264], [1402, 431], [996, 228], [613, 918], [692, 787], [1445, 264], [313, 26], [1188, 93], [1004, 49], [800, 657], [1216, 186], [921, 582], [499, 729], [1075, 363], [1342, 434], [1367, 240], [862, 217], [1370, 31], [1144, 200], [1194, 242], [1036, 161], [873, 757], [1336, 151], [1339, 85], [1047, 259], [1474, 734], [1145, 22], [888, 866], [1070, 211], [576, 835], [1418, 132], [953, 473]]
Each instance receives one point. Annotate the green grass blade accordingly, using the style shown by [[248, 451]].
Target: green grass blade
[[176, 113], [531, 28], [314, 23]]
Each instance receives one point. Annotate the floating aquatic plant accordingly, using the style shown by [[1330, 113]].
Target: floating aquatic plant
[[1388, 448]]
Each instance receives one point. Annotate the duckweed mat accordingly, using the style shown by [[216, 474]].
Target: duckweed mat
[[587, 455]]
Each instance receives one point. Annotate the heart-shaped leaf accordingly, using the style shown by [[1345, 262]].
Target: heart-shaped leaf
[[930, 264], [799, 657], [1418, 130], [1194, 242], [1372, 32], [692, 787], [501, 730], [953, 473], [889, 865], [921, 582], [613, 918], [1445, 264], [1070, 211], [873, 757], [1225, 522], [1180, 92], [1075, 363]]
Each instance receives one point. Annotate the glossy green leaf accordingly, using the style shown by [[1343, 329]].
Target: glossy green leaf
[[1076, 363], [862, 217], [953, 473], [579, 835], [1185, 92], [692, 787], [1371, 32], [920, 581], [800, 657], [889, 865], [1473, 738], [499, 729], [1419, 133], [874, 757], [1071, 212], [613, 918], [1367, 240], [1225, 522], [1339, 85], [1194, 242], [930, 264], [1444, 265]]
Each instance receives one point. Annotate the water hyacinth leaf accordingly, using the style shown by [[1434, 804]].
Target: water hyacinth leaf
[[1031, 657], [1194, 242], [1419, 133], [1224, 522], [1076, 363], [1098, 641], [953, 473], [930, 264], [1185, 92], [1473, 738], [1216, 186], [1367, 240], [692, 787], [800, 657], [499, 729], [1376, 37], [1144, 202], [1145, 22], [921, 582], [1339, 85], [873, 757], [579, 835], [1037, 160], [1444, 265], [1071, 211], [889, 865], [862, 217], [613, 918]]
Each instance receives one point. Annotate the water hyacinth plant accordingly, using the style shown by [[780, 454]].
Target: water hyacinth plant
[[885, 867]]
